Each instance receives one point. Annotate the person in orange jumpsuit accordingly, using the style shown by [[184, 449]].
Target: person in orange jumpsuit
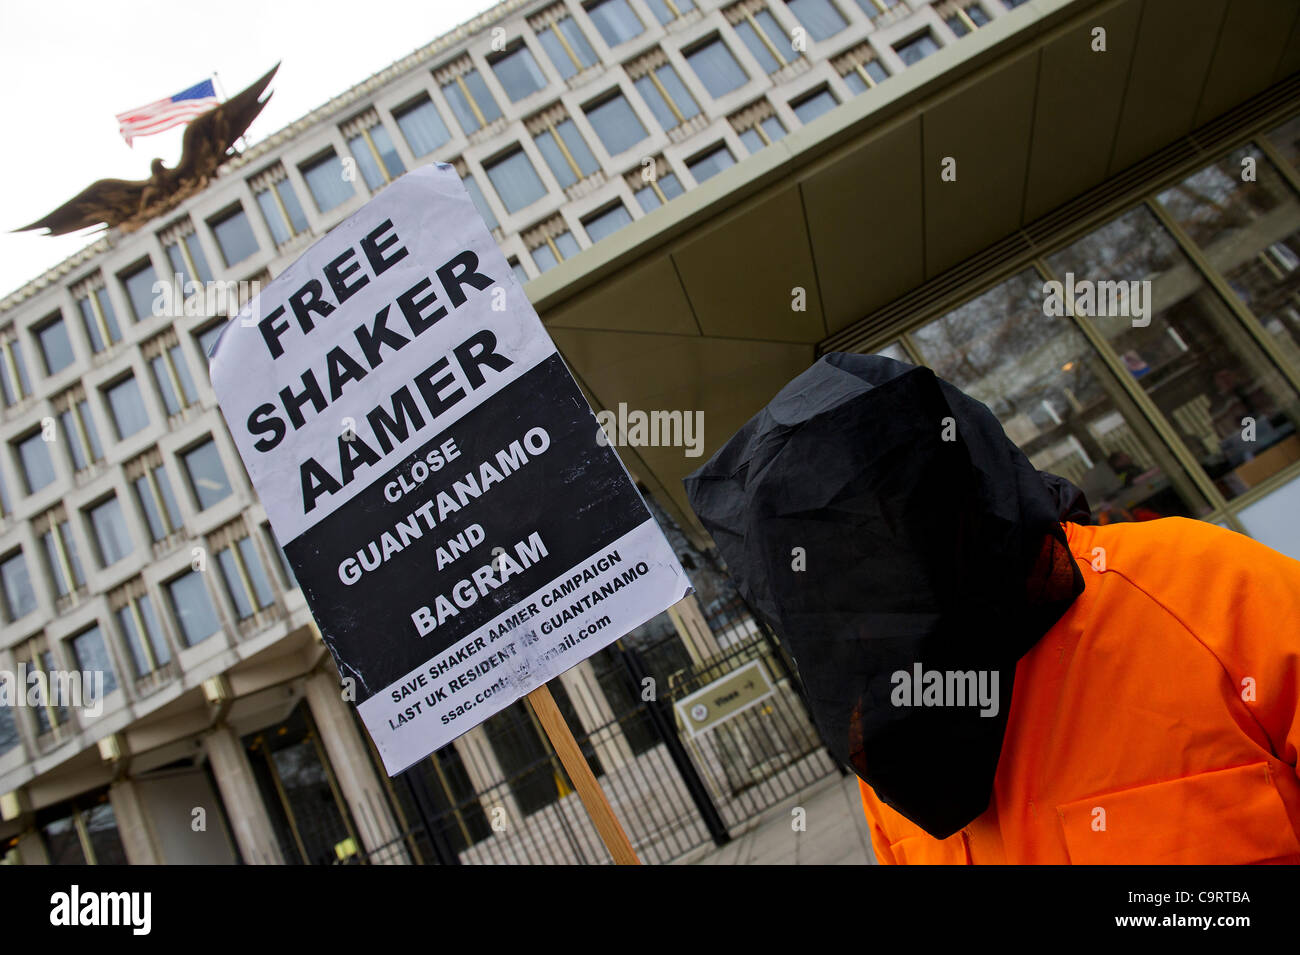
[[1009, 683]]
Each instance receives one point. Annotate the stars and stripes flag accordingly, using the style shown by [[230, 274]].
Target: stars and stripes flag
[[166, 113]]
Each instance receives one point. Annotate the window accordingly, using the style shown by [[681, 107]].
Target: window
[[651, 195], [480, 201], [1250, 232], [111, 535], [819, 17], [916, 49], [60, 550], [615, 124], [139, 291], [966, 19], [48, 716], [518, 72], [244, 577], [34, 459], [186, 258], [207, 477], [82, 832], [758, 126], [20, 599], [234, 236], [422, 126], [286, 572], [91, 654], [874, 8], [78, 428], [1009, 4], [470, 101], [717, 68], [566, 152], [765, 39], [567, 47], [521, 275], [153, 492], [667, 96], [172, 376], [56, 347], [864, 76], [127, 407], [709, 164], [14, 383], [666, 11], [1190, 355], [192, 608], [325, 182], [281, 210], [207, 338], [1057, 400], [376, 156], [98, 317], [606, 222], [144, 638], [810, 107], [615, 21], [515, 180], [554, 249], [8, 730]]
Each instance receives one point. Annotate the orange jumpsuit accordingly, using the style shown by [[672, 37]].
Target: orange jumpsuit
[[1157, 722]]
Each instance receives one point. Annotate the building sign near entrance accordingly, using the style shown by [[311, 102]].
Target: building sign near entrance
[[433, 470], [724, 698]]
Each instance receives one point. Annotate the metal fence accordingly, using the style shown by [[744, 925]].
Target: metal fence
[[675, 789]]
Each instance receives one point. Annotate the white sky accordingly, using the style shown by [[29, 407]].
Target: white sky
[[67, 68]]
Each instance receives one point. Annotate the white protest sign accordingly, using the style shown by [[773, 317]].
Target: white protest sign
[[432, 470]]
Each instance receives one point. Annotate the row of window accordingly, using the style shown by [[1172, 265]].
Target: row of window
[[106, 523], [1215, 358], [74, 426], [512, 174], [244, 583]]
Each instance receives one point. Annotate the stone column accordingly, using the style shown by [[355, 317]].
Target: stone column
[[596, 714], [354, 771], [694, 630], [132, 824], [243, 801]]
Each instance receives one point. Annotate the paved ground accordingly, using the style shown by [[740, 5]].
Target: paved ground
[[835, 831]]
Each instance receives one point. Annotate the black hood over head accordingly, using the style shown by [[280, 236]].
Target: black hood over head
[[882, 521]]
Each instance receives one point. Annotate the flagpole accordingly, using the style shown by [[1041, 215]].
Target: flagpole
[[221, 95]]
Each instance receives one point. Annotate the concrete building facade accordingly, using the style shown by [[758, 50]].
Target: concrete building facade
[[667, 177]]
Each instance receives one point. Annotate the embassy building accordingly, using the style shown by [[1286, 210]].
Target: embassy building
[[1085, 214]]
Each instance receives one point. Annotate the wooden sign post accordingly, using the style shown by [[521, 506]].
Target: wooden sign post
[[575, 764]]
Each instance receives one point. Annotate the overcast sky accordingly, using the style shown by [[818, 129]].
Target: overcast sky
[[67, 68]]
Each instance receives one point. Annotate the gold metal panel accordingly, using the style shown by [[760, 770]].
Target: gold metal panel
[[647, 297], [1251, 44], [740, 271], [985, 126], [865, 225], [729, 380], [1080, 94], [1175, 45]]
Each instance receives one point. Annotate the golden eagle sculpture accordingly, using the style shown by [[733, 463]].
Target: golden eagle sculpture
[[128, 204]]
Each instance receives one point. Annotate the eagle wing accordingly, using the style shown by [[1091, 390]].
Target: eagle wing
[[106, 201], [209, 137]]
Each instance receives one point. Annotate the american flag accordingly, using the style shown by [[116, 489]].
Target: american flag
[[166, 113]]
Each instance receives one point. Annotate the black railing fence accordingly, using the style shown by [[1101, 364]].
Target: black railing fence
[[501, 796]]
